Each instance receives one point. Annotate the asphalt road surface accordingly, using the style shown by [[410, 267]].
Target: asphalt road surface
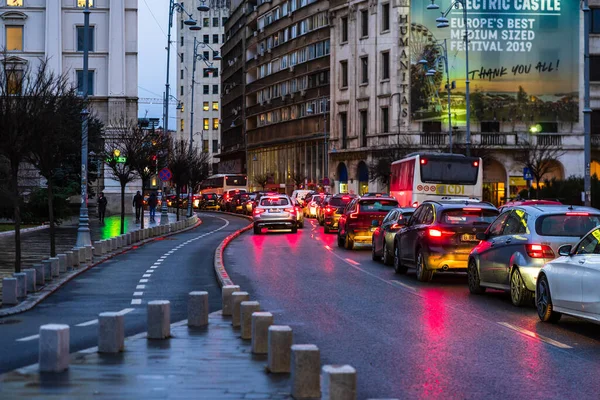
[[409, 339], [163, 270]]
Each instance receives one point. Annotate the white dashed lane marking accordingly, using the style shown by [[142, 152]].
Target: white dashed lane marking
[[88, 323], [535, 335], [140, 287], [146, 276], [136, 301], [28, 338], [138, 293], [143, 280]]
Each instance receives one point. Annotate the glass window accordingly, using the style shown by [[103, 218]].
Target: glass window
[[181, 124], [364, 23], [206, 72], [471, 216], [516, 223], [215, 146], [181, 74], [344, 29], [215, 105], [344, 67], [385, 17], [274, 201], [573, 224], [215, 89], [80, 33], [14, 80], [205, 146], [344, 129], [215, 38], [385, 119], [595, 68], [364, 70], [90, 80], [206, 22], [377, 205], [440, 169], [205, 106], [364, 125], [205, 55], [206, 124], [497, 226], [589, 245], [385, 65], [215, 22], [181, 90], [205, 89], [80, 3], [205, 38], [181, 41], [223, 20], [14, 38], [215, 123]]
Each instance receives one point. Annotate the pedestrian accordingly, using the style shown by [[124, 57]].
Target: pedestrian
[[102, 202], [152, 202], [138, 203]]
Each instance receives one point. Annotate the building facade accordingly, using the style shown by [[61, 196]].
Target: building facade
[[207, 91]]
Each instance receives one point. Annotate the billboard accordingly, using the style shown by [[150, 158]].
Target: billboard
[[523, 63]]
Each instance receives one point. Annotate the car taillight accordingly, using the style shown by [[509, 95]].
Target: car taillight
[[354, 215], [539, 251], [580, 214], [291, 210], [328, 210], [415, 204], [258, 211], [438, 233], [312, 204], [395, 226]]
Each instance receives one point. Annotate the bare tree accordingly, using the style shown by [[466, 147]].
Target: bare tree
[[261, 180], [199, 169], [539, 155], [380, 168], [298, 178], [180, 165]]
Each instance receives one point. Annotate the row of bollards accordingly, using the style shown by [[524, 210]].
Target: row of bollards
[[303, 361]]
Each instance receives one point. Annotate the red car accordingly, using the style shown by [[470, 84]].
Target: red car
[[356, 223]]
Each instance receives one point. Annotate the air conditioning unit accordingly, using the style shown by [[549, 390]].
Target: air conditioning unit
[[268, 101], [292, 95], [269, 51], [261, 30], [256, 56], [255, 33], [292, 68], [303, 93]]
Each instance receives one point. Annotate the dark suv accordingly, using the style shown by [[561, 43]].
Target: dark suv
[[334, 209], [356, 222], [440, 236]]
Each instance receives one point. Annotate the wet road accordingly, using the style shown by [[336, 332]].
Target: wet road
[[162, 270], [409, 339]]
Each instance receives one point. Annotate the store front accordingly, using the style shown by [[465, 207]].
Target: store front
[[494, 182], [362, 173], [342, 175]]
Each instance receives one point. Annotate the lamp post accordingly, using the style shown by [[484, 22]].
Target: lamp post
[[431, 72], [587, 111], [442, 22], [323, 101]]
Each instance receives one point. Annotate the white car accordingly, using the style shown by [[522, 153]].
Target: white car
[[569, 284], [275, 212]]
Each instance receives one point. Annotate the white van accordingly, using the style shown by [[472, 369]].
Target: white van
[[299, 195]]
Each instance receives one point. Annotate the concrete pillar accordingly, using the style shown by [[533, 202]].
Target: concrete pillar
[[39, 274], [129, 238], [21, 278], [280, 349], [306, 365], [198, 309], [10, 291], [53, 42], [261, 321], [62, 263], [31, 280], [226, 292], [89, 253], [111, 332], [246, 310], [54, 348], [69, 259], [159, 319], [47, 270], [55, 266], [339, 382], [98, 249], [236, 300], [76, 255]]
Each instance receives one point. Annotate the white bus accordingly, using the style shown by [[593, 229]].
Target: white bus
[[431, 176], [222, 183]]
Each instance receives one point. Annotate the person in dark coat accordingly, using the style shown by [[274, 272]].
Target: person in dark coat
[[138, 203], [102, 202], [152, 202]]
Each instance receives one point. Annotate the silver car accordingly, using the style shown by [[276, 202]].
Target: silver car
[[275, 212], [520, 241]]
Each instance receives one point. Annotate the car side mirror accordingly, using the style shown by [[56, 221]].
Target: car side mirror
[[481, 236], [565, 250], [375, 223]]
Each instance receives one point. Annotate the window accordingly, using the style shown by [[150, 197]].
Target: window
[[206, 22], [181, 124], [90, 82], [215, 124], [181, 41], [181, 74], [215, 89], [181, 90], [344, 29], [496, 227], [215, 38], [14, 3], [205, 146], [516, 223], [205, 55], [364, 69], [595, 68], [215, 72], [80, 3], [205, 106], [215, 146], [363, 128], [206, 72], [344, 67], [216, 105], [215, 22], [224, 19], [215, 54], [205, 124], [589, 245], [385, 65], [14, 79], [205, 38], [385, 119], [595, 122], [14, 38], [205, 89], [181, 56], [385, 17], [80, 33], [364, 23], [344, 129]]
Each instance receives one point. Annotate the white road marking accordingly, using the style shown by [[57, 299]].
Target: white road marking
[[351, 261], [28, 338], [163, 258], [88, 323], [143, 280], [154, 267], [403, 285], [138, 293], [146, 276], [158, 263], [136, 301], [535, 335], [140, 287]]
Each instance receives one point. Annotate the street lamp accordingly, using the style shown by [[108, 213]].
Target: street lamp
[[173, 6], [83, 230], [587, 111], [431, 72], [323, 100], [442, 22]]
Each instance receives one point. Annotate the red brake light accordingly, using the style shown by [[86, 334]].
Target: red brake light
[[345, 197], [471, 209], [582, 214], [258, 211], [328, 210], [476, 163], [423, 161], [539, 251], [354, 215], [291, 210], [438, 233], [395, 226], [415, 204]]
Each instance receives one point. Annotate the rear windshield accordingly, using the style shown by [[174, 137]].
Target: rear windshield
[[377, 205], [339, 201], [274, 201], [566, 224], [468, 217], [458, 170], [210, 196]]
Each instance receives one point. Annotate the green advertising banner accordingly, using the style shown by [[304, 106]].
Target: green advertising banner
[[523, 61]]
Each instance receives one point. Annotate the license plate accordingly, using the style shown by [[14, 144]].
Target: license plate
[[273, 210], [468, 238]]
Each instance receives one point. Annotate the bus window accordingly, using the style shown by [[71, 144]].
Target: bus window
[[456, 170]]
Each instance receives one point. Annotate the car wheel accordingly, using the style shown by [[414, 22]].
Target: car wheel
[[340, 240], [301, 226], [398, 267], [519, 294], [423, 274], [543, 302], [473, 278], [257, 230], [295, 229], [374, 255], [348, 242], [326, 229], [388, 259]]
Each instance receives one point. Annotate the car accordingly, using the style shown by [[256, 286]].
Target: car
[[310, 207], [299, 215], [300, 194], [321, 209], [274, 212], [249, 205], [238, 201], [440, 236], [516, 203], [383, 236], [356, 222], [333, 211], [228, 197], [520, 241], [569, 284], [208, 201]]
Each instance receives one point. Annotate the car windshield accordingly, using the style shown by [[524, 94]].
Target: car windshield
[[210, 196], [339, 201], [274, 201], [377, 205], [466, 216], [575, 224]]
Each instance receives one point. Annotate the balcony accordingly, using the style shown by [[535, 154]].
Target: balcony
[[493, 139], [549, 140], [433, 139]]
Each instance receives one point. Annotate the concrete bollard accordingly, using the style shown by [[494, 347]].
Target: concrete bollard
[[338, 382], [69, 255], [55, 266], [129, 239], [54, 348], [306, 363], [114, 245], [39, 274], [47, 270], [236, 300], [21, 278], [226, 292], [159, 319], [280, 349], [74, 257], [62, 263], [246, 310], [10, 291], [31, 280], [198, 309], [98, 249], [111, 332], [261, 321], [89, 253]]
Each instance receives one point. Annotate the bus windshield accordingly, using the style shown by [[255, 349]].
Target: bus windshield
[[455, 170]]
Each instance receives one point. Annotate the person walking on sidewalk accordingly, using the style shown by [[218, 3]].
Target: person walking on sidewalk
[[152, 202], [138, 203], [102, 202]]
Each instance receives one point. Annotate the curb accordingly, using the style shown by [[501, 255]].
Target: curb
[[26, 230], [53, 287]]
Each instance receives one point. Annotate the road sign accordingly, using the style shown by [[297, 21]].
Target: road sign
[[326, 181], [527, 174], [165, 174]]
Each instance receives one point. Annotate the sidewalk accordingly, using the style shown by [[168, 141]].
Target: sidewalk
[[210, 363]]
